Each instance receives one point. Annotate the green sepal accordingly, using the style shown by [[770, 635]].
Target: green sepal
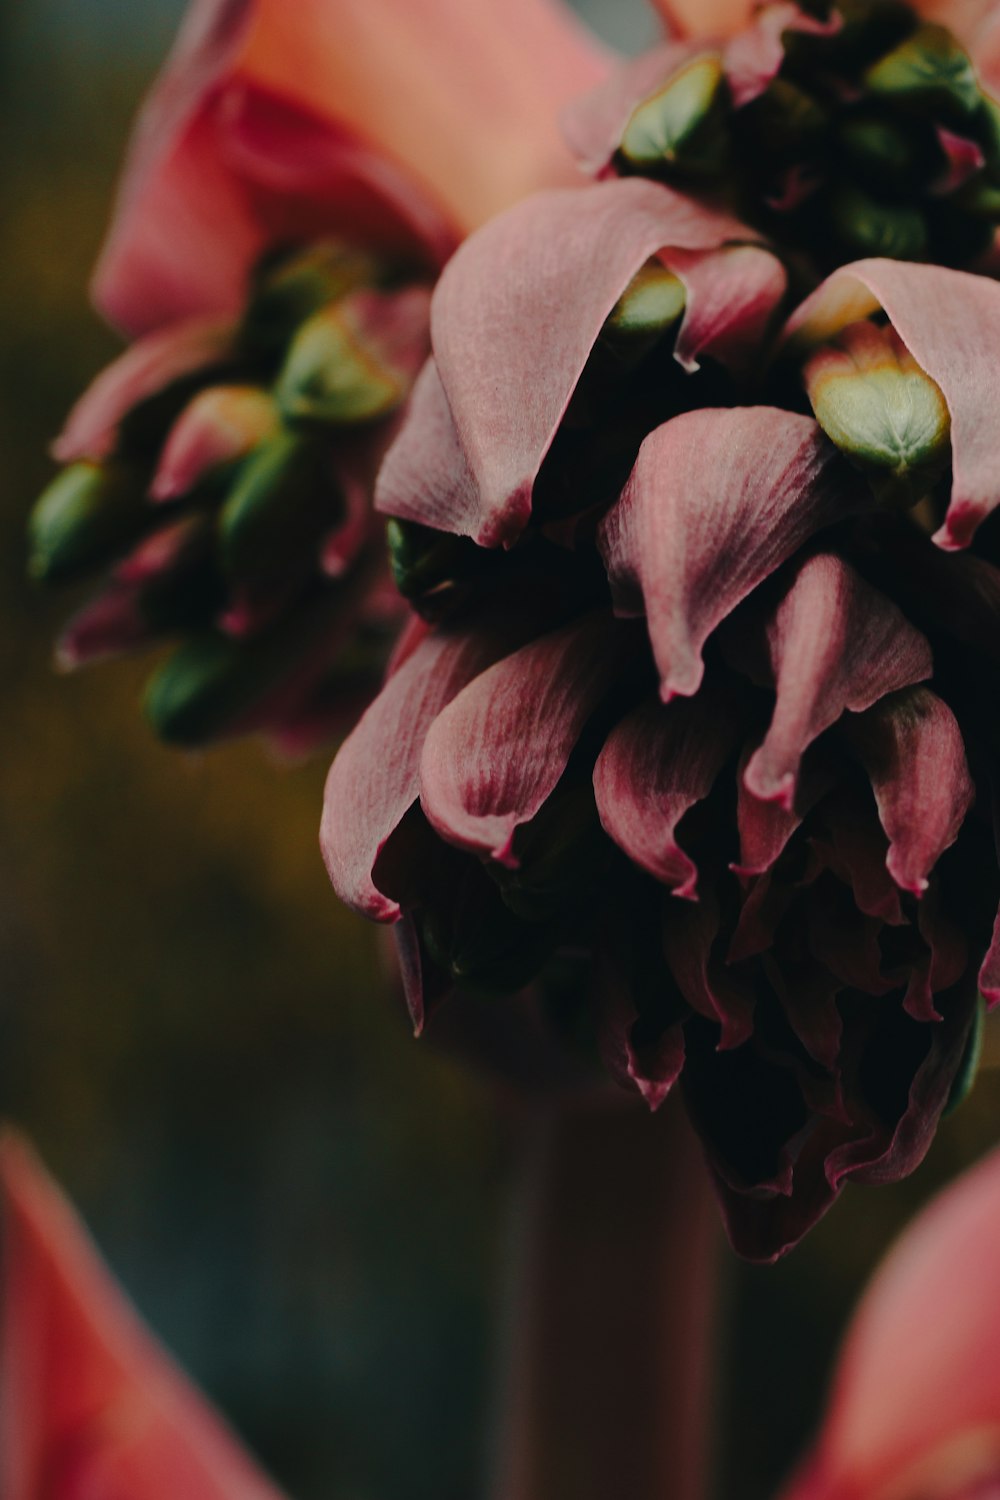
[[683, 126], [968, 1068], [883, 411], [884, 151], [287, 293], [928, 72], [867, 227], [87, 517], [333, 375], [284, 497]]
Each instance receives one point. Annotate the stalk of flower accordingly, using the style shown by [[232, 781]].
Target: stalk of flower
[[704, 709], [273, 250]]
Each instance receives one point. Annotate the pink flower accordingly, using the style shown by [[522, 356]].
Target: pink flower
[[701, 715], [914, 1412], [297, 176], [90, 1405]]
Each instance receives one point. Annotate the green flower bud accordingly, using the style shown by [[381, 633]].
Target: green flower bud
[[284, 498], [683, 125], [333, 374], [866, 227], [882, 410], [89, 514], [928, 72], [286, 294]]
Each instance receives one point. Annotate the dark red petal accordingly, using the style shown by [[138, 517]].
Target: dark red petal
[[496, 753], [834, 644], [717, 500], [655, 765], [911, 746]]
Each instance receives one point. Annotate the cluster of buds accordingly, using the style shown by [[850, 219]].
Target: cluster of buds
[[840, 129], [219, 476], [701, 697]]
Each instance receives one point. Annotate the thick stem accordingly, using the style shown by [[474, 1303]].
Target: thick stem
[[608, 1380]]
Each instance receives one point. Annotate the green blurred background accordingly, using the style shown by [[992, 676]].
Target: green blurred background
[[305, 1204]]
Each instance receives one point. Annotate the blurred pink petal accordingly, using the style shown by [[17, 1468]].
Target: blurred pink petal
[[90, 1405], [148, 366], [717, 500], [950, 322], [915, 1408], [705, 17], [390, 119], [835, 644], [495, 754]]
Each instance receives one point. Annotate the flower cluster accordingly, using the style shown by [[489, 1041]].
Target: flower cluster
[[700, 698], [297, 178]]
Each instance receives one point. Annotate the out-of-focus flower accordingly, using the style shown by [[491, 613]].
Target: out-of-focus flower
[[90, 1405], [297, 177], [704, 702], [914, 1412]]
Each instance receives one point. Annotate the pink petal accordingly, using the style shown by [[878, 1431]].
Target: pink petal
[[989, 973], [911, 747], [835, 644], [375, 777], [651, 1068], [766, 827], [386, 120], [89, 1402], [732, 295], [706, 17], [950, 322], [755, 54], [495, 754], [854, 849], [514, 318], [149, 366], [717, 500], [654, 767], [919, 1368]]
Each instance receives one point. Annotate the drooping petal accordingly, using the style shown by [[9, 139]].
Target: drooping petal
[[495, 754], [654, 767], [375, 777], [732, 295], [426, 475], [912, 749], [835, 644], [756, 52], [147, 367], [918, 1373], [514, 318], [385, 120], [89, 1403], [716, 502], [950, 323], [717, 992]]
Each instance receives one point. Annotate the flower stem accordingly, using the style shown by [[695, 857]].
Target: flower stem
[[610, 1322]]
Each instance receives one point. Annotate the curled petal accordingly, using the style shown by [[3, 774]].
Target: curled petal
[[755, 54], [495, 754], [514, 318], [911, 747], [89, 1403], [731, 297], [426, 476], [594, 123], [375, 777], [716, 502], [708, 986], [655, 765], [147, 367], [835, 644], [950, 323]]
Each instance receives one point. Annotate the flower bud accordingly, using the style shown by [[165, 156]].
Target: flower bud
[[682, 125], [332, 373], [928, 72], [88, 514], [866, 226], [882, 410], [292, 289], [283, 500], [220, 426]]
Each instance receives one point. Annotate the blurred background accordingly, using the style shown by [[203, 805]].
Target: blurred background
[[305, 1204]]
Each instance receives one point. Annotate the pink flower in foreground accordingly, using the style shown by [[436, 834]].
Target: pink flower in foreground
[[703, 709], [297, 177], [915, 1408], [91, 1408]]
